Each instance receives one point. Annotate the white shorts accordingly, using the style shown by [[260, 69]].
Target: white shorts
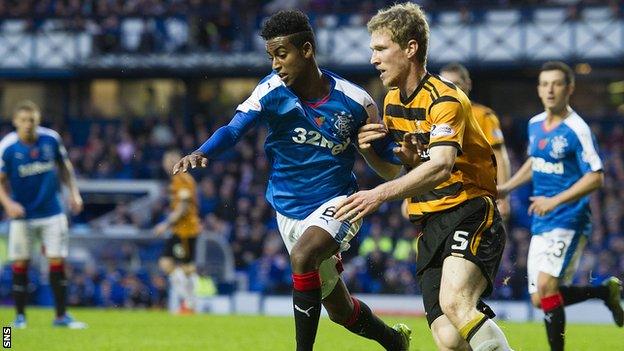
[[52, 230], [556, 253], [292, 229]]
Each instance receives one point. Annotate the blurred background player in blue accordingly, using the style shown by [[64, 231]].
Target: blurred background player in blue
[[313, 116], [32, 161], [564, 167]]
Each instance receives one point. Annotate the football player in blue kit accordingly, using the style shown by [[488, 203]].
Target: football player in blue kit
[[564, 167], [32, 161], [313, 117]]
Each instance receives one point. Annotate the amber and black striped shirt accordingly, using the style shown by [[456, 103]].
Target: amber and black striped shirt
[[489, 123], [183, 187], [440, 114]]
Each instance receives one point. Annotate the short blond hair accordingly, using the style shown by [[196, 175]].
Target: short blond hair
[[405, 22], [26, 105]]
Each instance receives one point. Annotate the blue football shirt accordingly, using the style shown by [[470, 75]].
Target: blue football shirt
[[309, 146], [560, 157], [32, 171]]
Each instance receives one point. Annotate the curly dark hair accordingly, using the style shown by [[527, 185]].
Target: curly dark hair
[[292, 23]]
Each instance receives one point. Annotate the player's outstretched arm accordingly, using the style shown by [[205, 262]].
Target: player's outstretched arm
[[223, 139], [523, 176], [421, 179], [425, 177], [12, 208]]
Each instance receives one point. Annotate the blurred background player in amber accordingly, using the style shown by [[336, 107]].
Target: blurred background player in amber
[[490, 125], [178, 258]]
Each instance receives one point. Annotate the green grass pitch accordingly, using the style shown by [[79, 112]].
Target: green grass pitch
[[119, 329]]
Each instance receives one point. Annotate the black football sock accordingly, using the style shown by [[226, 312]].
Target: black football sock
[[364, 323], [554, 318], [576, 294], [20, 288], [59, 287], [307, 308]]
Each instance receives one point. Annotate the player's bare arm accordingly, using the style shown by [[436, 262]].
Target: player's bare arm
[[190, 161], [541, 205], [367, 134], [12, 208], [503, 172], [68, 177], [174, 216], [421, 179], [523, 176], [503, 169]]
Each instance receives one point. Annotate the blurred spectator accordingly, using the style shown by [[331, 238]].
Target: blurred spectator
[[108, 35], [406, 246], [172, 26], [376, 241]]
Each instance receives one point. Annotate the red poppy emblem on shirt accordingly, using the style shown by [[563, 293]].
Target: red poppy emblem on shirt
[[542, 144], [34, 153], [319, 120]]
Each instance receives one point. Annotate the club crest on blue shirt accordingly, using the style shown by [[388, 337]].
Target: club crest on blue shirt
[[558, 146], [343, 124]]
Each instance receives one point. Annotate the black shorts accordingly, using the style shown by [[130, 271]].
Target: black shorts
[[473, 231], [180, 249]]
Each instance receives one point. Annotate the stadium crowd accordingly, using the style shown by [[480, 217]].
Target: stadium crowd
[[231, 195], [41, 9], [157, 26]]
